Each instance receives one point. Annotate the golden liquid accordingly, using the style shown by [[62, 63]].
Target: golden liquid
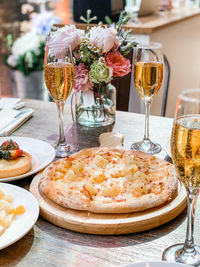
[[185, 149], [148, 78], [59, 79]]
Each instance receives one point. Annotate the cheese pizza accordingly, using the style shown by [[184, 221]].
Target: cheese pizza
[[109, 180]]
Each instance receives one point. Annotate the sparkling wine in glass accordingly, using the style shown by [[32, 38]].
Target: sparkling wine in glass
[[185, 150], [59, 80], [148, 76]]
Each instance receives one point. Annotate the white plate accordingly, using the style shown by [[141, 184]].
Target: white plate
[[23, 223], [42, 154], [156, 264]]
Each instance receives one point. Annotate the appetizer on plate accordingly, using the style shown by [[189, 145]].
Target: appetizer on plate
[[8, 211], [13, 160]]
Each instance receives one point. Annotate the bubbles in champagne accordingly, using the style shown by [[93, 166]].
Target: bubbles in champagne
[[185, 148], [148, 78], [190, 123], [59, 79]]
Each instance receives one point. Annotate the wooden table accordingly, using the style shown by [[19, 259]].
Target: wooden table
[[49, 245]]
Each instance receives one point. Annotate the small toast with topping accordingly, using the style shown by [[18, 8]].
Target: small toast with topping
[[13, 160]]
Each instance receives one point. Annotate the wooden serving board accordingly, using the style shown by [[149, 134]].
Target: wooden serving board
[[108, 224]]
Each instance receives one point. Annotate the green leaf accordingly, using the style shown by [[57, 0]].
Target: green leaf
[[108, 20], [83, 19], [9, 42], [120, 18], [88, 13], [88, 19]]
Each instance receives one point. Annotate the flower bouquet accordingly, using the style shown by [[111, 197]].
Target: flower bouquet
[[99, 58], [27, 53]]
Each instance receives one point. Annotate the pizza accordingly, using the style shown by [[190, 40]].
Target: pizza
[[109, 180]]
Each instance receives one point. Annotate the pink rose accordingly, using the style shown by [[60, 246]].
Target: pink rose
[[104, 38], [63, 37], [120, 65], [82, 81]]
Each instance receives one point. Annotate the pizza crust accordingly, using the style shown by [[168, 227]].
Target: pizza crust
[[75, 196]]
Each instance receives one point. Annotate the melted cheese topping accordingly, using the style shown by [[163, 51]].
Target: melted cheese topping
[[111, 176]]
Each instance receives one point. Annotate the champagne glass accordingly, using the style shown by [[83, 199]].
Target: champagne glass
[[188, 102], [148, 76], [185, 150], [59, 79]]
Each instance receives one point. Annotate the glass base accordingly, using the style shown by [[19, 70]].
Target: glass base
[[176, 253], [146, 146], [64, 150]]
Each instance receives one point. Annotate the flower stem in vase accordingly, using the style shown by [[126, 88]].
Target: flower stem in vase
[[99, 113]]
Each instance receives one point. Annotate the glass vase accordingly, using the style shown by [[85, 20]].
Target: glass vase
[[96, 107]]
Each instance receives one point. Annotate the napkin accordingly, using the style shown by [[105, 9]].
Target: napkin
[[8, 103], [11, 119]]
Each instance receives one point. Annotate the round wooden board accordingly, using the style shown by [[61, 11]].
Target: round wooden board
[[107, 224]]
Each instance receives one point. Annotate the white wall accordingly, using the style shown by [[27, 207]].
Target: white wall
[[181, 45]]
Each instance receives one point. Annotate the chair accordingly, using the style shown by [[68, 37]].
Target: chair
[[166, 86]]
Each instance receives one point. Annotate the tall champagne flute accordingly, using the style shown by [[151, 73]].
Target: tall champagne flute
[[59, 79], [148, 76], [185, 150], [188, 102]]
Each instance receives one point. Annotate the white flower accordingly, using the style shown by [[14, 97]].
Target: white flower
[[36, 51], [81, 33], [102, 60], [104, 38], [95, 49], [12, 61], [85, 40], [67, 36], [29, 41]]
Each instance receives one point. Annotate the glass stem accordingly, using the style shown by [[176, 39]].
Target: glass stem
[[61, 138], [147, 113], [191, 206]]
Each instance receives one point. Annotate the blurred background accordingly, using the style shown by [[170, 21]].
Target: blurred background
[[24, 25]]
